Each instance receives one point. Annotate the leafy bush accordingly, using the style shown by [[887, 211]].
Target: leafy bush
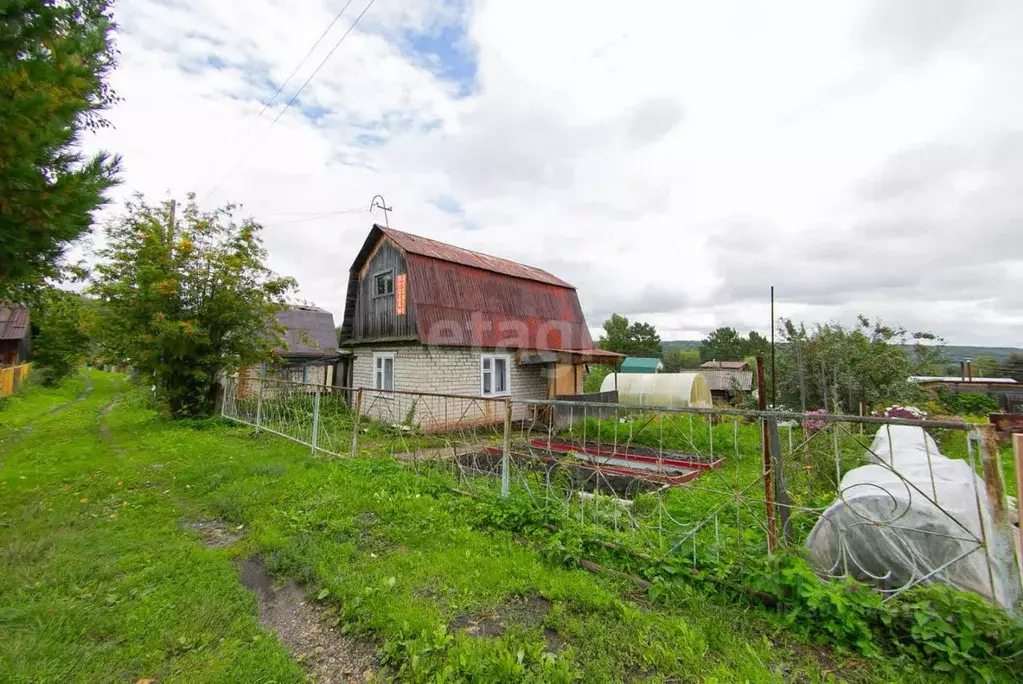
[[593, 379], [955, 633], [972, 404]]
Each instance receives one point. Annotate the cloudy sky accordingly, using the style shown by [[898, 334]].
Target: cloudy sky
[[670, 159]]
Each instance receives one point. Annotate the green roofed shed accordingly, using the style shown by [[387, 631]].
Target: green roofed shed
[[637, 364]]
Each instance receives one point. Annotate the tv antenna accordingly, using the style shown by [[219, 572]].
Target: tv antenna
[[382, 204]]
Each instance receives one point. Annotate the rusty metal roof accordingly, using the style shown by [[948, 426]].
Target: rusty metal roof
[[416, 244], [13, 322], [464, 298], [462, 305]]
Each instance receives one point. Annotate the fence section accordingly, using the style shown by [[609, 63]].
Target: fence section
[[12, 379], [890, 502]]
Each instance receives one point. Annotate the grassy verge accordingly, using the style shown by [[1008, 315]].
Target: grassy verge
[[102, 578]]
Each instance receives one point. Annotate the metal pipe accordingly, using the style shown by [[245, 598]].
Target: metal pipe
[[780, 415], [506, 451], [765, 446]]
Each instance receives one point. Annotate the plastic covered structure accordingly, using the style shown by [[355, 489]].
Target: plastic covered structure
[[911, 516], [674, 390]]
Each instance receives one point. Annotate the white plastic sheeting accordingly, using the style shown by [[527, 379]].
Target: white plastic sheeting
[[912, 515], [675, 390]]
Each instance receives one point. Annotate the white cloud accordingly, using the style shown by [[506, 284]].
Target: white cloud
[[671, 160]]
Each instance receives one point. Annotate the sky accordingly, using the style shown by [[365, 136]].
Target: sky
[[670, 160]]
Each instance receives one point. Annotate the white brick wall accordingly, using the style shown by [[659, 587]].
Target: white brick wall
[[442, 370]]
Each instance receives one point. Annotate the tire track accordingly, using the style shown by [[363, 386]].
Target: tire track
[[81, 397]]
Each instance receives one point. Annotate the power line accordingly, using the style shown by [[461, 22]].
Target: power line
[[280, 89], [314, 217], [320, 65], [302, 61], [290, 102]]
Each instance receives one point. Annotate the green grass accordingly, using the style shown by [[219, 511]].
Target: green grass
[[101, 578]]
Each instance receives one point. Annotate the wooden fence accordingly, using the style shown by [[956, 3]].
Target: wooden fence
[[12, 378]]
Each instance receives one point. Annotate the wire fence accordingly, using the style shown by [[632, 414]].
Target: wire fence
[[706, 485]]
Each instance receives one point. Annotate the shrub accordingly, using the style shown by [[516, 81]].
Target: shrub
[[954, 632], [976, 404]]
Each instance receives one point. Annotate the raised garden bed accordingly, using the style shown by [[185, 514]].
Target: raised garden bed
[[578, 472], [634, 454]]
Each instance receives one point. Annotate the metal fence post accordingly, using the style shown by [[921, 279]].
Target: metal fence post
[[1001, 549], [316, 419], [506, 452], [259, 403], [355, 422], [223, 403]]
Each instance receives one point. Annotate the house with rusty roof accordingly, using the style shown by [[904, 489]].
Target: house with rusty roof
[[423, 316], [15, 334]]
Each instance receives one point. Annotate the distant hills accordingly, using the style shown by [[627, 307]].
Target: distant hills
[[680, 344], [955, 353]]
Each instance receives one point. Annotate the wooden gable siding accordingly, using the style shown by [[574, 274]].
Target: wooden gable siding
[[376, 317]]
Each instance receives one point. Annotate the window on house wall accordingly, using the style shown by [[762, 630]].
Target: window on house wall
[[383, 371], [383, 284], [495, 375]]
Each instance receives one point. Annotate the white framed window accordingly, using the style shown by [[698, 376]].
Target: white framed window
[[495, 375], [383, 284], [383, 371]]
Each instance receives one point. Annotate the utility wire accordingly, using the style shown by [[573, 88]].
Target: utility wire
[[314, 217], [320, 65], [280, 89], [290, 102], [302, 61]]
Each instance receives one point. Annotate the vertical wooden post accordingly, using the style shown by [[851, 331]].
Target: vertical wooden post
[[765, 441], [355, 422], [1017, 452], [506, 452], [1001, 551]]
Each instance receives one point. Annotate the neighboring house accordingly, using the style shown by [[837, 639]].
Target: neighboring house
[[426, 317], [726, 365], [727, 384], [309, 352], [1007, 391], [638, 364], [15, 335]]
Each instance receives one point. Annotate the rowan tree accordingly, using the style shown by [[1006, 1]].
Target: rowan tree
[[182, 298]]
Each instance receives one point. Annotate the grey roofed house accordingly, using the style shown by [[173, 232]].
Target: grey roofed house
[[15, 334], [726, 380], [309, 333]]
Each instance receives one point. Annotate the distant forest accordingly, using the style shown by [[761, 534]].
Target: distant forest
[[953, 352]]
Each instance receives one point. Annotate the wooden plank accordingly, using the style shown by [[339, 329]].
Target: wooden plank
[[1017, 452], [564, 379]]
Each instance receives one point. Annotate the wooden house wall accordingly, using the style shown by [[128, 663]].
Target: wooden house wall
[[376, 317]]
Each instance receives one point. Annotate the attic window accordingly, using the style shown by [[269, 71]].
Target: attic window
[[383, 284]]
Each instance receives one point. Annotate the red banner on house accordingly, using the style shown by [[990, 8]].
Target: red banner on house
[[399, 294]]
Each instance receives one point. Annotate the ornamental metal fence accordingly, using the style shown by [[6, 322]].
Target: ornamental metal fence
[[892, 502]]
